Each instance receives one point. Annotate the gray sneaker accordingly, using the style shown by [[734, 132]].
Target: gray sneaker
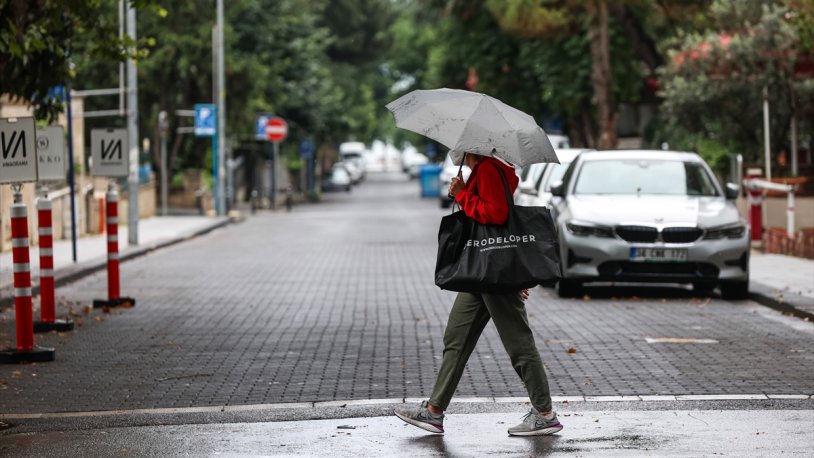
[[535, 424], [422, 418]]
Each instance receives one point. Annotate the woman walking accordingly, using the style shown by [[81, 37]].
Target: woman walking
[[483, 198]]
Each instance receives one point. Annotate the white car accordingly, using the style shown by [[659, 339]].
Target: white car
[[411, 162], [337, 180], [448, 171], [649, 216], [353, 170], [535, 189]]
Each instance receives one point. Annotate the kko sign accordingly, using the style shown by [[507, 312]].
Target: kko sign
[[51, 153], [18, 163], [108, 152]]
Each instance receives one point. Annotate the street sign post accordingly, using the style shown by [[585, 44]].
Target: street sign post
[[260, 125], [17, 144], [51, 163], [109, 153], [205, 120], [206, 125], [276, 131], [18, 164]]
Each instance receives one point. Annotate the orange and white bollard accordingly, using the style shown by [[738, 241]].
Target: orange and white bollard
[[23, 304], [114, 298], [48, 321]]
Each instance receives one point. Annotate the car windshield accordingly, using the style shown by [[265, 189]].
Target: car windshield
[[557, 171], [645, 176]]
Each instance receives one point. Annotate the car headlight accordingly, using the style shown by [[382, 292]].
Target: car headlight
[[588, 230], [725, 232]]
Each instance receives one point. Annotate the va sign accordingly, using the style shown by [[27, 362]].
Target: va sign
[[18, 163], [109, 152], [51, 153]]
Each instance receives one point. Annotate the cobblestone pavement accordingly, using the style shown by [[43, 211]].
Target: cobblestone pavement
[[336, 301]]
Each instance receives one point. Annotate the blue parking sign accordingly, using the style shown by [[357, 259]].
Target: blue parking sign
[[205, 119], [260, 125]]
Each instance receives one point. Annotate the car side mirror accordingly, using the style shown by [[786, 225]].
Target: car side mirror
[[732, 191], [557, 189]]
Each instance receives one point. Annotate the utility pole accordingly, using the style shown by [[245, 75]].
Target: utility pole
[[132, 135], [220, 100]]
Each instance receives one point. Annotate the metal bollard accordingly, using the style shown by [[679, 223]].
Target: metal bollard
[[114, 297], [48, 321], [23, 304]]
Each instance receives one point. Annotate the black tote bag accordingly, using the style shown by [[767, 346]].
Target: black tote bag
[[492, 258]]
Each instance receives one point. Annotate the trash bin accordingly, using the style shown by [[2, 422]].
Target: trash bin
[[429, 177]]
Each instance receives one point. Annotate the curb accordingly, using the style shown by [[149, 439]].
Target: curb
[[77, 271], [783, 301]]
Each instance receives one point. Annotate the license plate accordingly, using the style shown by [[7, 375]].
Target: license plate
[[658, 254]]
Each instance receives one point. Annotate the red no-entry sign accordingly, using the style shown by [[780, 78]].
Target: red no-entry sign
[[276, 129]]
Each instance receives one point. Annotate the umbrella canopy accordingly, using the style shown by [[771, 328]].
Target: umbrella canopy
[[470, 122]]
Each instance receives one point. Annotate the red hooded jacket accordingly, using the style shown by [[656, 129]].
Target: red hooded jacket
[[484, 198]]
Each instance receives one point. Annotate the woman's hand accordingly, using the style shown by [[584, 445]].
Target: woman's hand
[[524, 294], [457, 185]]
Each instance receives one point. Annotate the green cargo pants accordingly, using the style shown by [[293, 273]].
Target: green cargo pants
[[468, 317]]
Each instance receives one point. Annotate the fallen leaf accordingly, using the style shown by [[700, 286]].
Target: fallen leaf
[[106, 309], [586, 298], [572, 350], [565, 402], [99, 318], [16, 374], [86, 309]]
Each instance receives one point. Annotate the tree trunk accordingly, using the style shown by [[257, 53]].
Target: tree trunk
[[601, 76]]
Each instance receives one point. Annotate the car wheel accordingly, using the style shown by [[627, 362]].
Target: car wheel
[[735, 290], [445, 203], [348, 188], [569, 288]]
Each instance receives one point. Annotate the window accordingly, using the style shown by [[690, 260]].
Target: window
[[645, 176]]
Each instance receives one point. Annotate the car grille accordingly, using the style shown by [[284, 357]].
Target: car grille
[[681, 234], [640, 234], [665, 271], [647, 234]]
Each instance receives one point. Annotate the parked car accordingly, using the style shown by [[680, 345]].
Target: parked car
[[354, 153], [559, 141], [338, 179], [535, 190], [353, 171], [649, 216], [411, 162], [448, 171]]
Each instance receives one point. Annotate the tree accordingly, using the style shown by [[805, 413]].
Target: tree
[[713, 86], [37, 41]]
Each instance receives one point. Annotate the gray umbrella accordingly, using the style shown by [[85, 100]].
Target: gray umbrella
[[470, 122]]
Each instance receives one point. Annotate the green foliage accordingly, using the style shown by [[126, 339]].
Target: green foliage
[[714, 87], [37, 42]]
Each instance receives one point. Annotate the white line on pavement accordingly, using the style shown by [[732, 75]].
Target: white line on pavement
[[373, 402]]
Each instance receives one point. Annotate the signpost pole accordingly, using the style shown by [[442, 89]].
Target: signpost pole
[[215, 177], [162, 132], [132, 126], [273, 186], [71, 177]]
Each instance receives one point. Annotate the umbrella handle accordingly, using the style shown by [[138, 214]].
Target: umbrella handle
[[460, 169]]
